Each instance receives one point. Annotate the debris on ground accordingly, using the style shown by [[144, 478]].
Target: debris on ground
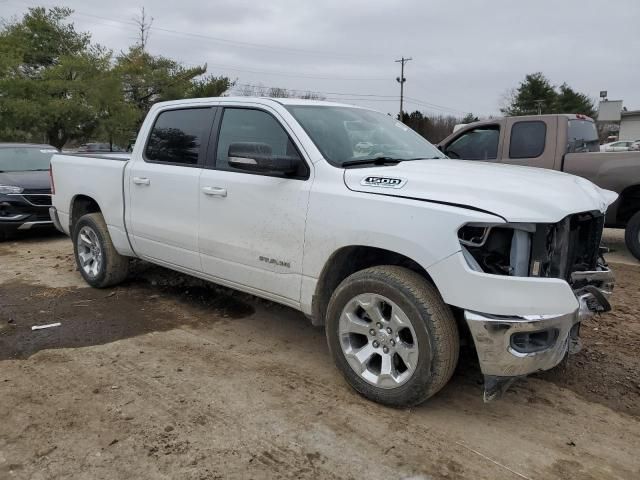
[[49, 325]]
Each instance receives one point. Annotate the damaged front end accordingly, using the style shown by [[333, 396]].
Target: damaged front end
[[513, 346]]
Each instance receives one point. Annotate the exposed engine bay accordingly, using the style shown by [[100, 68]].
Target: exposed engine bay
[[551, 250]]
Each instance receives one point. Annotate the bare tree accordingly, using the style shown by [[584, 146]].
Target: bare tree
[[144, 27], [248, 90], [312, 96], [507, 99], [277, 92], [431, 126]]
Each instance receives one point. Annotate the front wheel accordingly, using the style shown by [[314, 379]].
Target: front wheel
[[632, 235], [392, 336], [98, 261]]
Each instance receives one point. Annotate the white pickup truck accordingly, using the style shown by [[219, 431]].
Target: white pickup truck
[[352, 218]]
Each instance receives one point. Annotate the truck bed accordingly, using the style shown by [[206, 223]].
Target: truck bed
[[99, 177], [611, 170]]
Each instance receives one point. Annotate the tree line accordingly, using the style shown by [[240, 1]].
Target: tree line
[[58, 87], [534, 95]]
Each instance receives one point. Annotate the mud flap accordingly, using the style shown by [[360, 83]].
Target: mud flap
[[575, 343]]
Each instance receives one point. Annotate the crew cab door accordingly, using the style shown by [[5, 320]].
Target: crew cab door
[[251, 225], [164, 189]]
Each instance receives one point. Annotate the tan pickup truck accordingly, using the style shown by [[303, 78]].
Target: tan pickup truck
[[568, 143]]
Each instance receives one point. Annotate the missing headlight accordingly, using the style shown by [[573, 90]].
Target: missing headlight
[[503, 249]]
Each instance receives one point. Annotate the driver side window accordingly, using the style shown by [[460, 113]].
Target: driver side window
[[251, 126], [481, 143]]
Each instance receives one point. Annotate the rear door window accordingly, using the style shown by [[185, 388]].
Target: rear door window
[[478, 144], [177, 135], [582, 136], [527, 139]]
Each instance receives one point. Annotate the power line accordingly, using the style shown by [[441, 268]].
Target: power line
[[394, 97], [293, 75], [286, 50], [417, 101], [357, 97], [309, 75]]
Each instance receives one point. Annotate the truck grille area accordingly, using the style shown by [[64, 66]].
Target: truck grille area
[[552, 250], [40, 200], [571, 245]]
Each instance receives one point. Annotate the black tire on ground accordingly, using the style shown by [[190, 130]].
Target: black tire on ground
[[435, 328], [632, 235], [114, 267]]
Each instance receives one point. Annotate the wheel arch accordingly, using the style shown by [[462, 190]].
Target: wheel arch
[[348, 260], [81, 205], [629, 204]]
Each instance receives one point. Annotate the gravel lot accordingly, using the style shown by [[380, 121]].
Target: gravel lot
[[168, 377]]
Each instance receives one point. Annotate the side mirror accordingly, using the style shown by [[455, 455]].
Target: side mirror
[[258, 157]]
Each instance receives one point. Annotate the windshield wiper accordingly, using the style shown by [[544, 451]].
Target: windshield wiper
[[382, 160]]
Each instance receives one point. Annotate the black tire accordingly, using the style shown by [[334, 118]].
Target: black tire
[[632, 235], [432, 320], [113, 267]]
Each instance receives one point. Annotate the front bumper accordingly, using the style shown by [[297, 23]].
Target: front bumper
[[24, 211], [512, 346]]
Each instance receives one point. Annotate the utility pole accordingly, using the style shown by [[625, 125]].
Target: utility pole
[[401, 81], [539, 104]]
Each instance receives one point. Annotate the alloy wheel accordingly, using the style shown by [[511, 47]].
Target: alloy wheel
[[378, 340], [89, 251]]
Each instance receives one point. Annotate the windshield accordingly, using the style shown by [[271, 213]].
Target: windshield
[[24, 159], [346, 134]]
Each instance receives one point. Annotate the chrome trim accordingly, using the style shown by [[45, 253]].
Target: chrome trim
[[492, 334], [20, 216], [53, 213], [605, 275], [492, 337], [29, 225]]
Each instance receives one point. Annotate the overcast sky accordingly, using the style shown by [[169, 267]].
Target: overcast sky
[[466, 53]]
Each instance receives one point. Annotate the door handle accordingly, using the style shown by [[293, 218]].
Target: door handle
[[141, 181], [215, 191]]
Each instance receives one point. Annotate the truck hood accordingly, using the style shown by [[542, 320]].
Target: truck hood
[[518, 194], [36, 181]]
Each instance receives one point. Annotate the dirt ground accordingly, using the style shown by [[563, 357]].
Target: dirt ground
[[168, 377]]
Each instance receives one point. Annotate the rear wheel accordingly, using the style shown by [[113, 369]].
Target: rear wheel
[[98, 261], [392, 336], [632, 235]]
